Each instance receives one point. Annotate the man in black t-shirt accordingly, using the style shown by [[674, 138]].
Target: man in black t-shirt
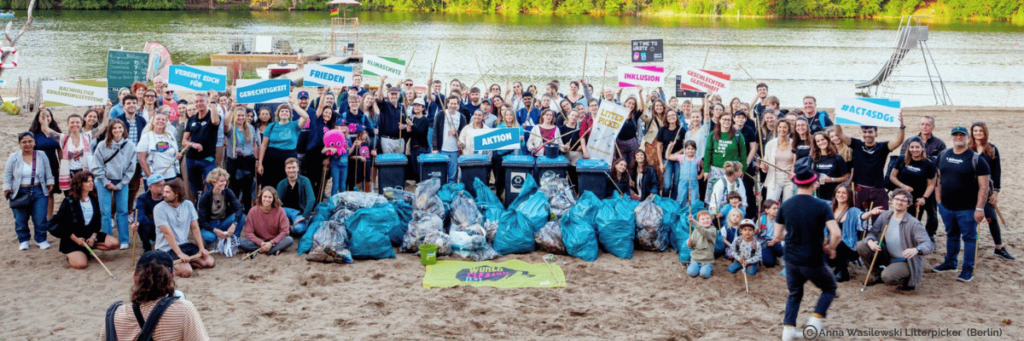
[[962, 192], [869, 159], [200, 138], [801, 219]]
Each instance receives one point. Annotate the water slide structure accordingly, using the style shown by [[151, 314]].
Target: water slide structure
[[911, 35]]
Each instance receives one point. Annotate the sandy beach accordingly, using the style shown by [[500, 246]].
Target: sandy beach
[[646, 298]]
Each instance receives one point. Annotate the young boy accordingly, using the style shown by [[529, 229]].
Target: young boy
[[702, 246], [735, 203], [770, 251], [746, 249]]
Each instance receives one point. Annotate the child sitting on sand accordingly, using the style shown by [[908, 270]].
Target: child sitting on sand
[[771, 252], [728, 232], [745, 250], [702, 246]]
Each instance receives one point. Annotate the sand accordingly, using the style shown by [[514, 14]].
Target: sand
[[645, 298]]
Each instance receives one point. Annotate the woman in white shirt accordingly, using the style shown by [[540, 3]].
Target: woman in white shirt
[[470, 131], [158, 149]]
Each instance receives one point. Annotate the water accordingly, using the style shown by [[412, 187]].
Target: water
[[981, 62]]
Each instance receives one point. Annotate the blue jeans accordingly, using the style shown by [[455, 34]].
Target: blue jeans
[[771, 254], [670, 179], [201, 167], [688, 191], [339, 173], [703, 269], [959, 225], [121, 198], [735, 267], [293, 214], [453, 165], [796, 277], [222, 224], [37, 211]]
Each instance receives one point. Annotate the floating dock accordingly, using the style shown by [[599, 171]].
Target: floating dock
[[251, 61]]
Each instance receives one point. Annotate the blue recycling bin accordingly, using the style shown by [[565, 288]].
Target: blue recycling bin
[[434, 166], [592, 175], [517, 167], [559, 165], [391, 171], [473, 166]]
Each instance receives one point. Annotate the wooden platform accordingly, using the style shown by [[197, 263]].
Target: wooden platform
[[251, 61]]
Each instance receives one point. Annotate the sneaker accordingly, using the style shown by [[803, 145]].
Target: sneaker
[[23, 246], [790, 334], [966, 275], [1003, 253], [43, 245], [905, 287], [815, 323], [944, 268], [124, 246]]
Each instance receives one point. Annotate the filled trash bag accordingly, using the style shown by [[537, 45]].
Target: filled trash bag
[[651, 234], [426, 199], [322, 213], [329, 244], [398, 194], [448, 192], [404, 212], [514, 234], [464, 211], [549, 238], [441, 239], [558, 192], [485, 196], [353, 200], [615, 231], [471, 242], [578, 233], [368, 230], [683, 227], [533, 204], [422, 224], [490, 207]]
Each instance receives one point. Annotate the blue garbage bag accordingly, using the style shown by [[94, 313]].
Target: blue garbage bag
[[448, 191], [670, 211], [683, 227], [403, 210], [484, 195], [323, 213], [615, 221], [369, 230], [529, 187], [578, 232], [532, 203], [514, 234]]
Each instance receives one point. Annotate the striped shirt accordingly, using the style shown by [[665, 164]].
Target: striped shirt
[[180, 321]]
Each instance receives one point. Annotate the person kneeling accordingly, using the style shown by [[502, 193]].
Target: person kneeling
[[220, 212], [904, 239], [78, 225], [745, 250], [174, 218], [702, 244], [266, 225]]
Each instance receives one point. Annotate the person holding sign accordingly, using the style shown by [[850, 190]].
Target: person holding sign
[[545, 132], [200, 139], [869, 158], [470, 131], [279, 144]]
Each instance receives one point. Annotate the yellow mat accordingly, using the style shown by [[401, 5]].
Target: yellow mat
[[509, 274]]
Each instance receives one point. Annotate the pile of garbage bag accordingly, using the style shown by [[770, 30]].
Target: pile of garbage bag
[[330, 244], [558, 192]]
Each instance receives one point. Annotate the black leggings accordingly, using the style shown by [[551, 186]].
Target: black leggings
[[993, 224], [844, 255], [933, 217]]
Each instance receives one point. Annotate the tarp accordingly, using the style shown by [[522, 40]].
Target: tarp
[[509, 274]]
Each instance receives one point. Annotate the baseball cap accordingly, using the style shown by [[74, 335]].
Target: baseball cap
[[154, 178], [393, 89], [156, 256], [303, 94], [418, 101], [748, 222], [959, 130]]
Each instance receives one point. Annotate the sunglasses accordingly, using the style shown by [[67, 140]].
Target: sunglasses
[[169, 92], [408, 84], [150, 96]]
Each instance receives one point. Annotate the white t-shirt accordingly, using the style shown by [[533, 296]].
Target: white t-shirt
[[178, 219], [161, 149], [87, 211], [26, 173], [451, 122]]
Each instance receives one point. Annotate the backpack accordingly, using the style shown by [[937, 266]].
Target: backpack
[[974, 163], [822, 116], [148, 326], [893, 161]]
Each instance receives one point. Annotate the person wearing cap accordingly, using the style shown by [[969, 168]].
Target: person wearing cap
[[800, 220], [418, 126], [391, 120], [154, 286], [528, 116], [144, 224], [905, 239], [745, 249], [961, 193], [175, 217], [869, 160]]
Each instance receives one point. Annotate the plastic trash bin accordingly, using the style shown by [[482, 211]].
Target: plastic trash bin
[[474, 166], [559, 165], [391, 171], [434, 166], [517, 167], [592, 175]]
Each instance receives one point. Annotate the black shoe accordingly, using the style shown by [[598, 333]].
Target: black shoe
[[842, 275], [944, 268], [966, 275], [1003, 253], [906, 287]]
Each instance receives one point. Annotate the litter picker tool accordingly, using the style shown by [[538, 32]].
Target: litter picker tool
[[746, 284], [248, 256], [178, 261], [548, 259], [875, 257], [91, 252]]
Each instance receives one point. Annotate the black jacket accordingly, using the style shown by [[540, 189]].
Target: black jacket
[[649, 184], [234, 208], [69, 219], [439, 129]]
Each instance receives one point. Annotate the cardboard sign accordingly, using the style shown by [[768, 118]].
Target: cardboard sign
[[652, 50], [607, 123], [684, 93], [879, 112], [77, 93], [383, 66], [714, 82], [197, 78], [250, 91], [498, 139], [326, 75], [645, 76]]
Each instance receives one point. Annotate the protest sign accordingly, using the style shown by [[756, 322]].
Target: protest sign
[[383, 66], [645, 76], [607, 122], [879, 112], [715, 82], [77, 93], [123, 69], [197, 78], [686, 93], [250, 91], [326, 75], [497, 139], [651, 50]]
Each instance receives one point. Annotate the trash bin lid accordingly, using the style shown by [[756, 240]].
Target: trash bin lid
[[559, 161], [430, 158], [393, 159], [473, 158], [517, 161], [595, 164]]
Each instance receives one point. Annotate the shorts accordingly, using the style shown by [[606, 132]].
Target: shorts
[[187, 248]]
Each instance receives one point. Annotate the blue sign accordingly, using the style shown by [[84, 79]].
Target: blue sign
[[327, 75], [197, 78], [251, 91], [879, 112], [498, 139]]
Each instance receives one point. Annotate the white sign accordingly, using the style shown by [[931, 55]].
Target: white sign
[[647, 76], [712, 82], [326, 75], [383, 66], [609, 120], [879, 112], [73, 93]]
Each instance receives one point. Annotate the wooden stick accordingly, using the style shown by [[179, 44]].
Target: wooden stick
[[481, 78], [748, 73], [430, 79], [745, 283], [409, 62], [131, 220], [875, 257], [706, 54], [998, 213], [91, 252], [585, 47], [613, 182], [248, 256], [179, 261], [774, 166], [323, 183], [176, 158]]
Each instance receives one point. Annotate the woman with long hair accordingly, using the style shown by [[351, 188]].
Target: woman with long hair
[[851, 220], [280, 142], [981, 144], [543, 133], [801, 138], [267, 226], [263, 120], [670, 141], [620, 180], [470, 131], [724, 145], [240, 145], [830, 165], [843, 151], [150, 105], [515, 95], [575, 96], [46, 133], [628, 140], [734, 105], [93, 123], [779, 152], [316, 160], [653, 120], [157, 148], [508, 120], [77, 223], [27, 184], [915, 173], [219, 210], [114, 168], [76, 151], [643, 175]]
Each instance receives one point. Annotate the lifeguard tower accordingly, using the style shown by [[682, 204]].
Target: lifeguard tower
[[344, 30], [911, 35]]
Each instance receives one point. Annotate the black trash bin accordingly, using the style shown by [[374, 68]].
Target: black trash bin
[[559, 165], [517, 167], [474, 166], [391, 171], [434, 166], [592, 175]]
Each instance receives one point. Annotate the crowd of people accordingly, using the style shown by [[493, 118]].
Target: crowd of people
[[776, 182]]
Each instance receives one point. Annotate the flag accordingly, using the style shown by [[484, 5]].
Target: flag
[[334, 12]]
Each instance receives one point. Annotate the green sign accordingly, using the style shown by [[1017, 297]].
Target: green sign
[[124, 68]]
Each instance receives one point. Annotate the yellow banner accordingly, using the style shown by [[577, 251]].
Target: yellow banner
[[509, 274]]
